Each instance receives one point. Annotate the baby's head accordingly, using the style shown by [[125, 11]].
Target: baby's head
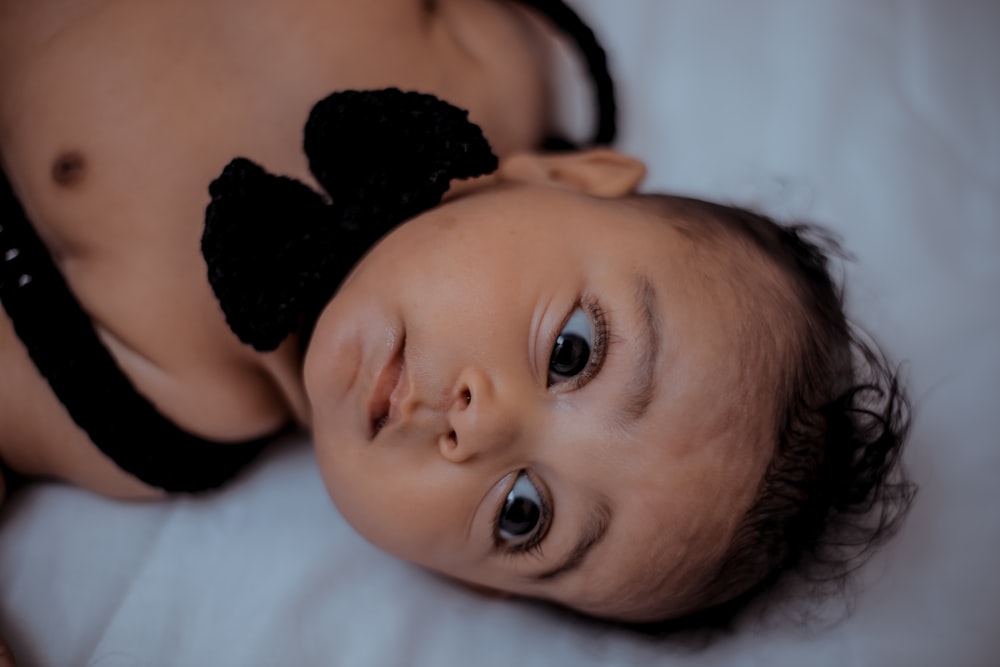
[[637, 407]]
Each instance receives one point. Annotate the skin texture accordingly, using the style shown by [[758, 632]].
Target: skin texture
[[115, 117], [447, 329], [474, 292]]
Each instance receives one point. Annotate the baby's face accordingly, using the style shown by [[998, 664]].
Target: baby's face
[[532, 390]]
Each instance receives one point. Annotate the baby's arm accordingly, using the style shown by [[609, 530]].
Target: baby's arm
[[38, 437], [6, 659]]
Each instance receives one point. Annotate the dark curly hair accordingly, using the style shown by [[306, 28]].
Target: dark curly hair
[[834, 489]]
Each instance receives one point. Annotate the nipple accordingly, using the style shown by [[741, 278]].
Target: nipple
[[68, 168]]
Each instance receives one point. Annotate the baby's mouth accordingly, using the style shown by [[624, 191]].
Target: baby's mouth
[[380, 406]]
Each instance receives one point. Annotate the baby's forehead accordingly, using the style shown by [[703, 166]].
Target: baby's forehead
[[672, 525], [650, 569], [736, 260], [664, 567]]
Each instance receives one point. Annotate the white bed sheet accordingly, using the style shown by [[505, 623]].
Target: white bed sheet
[[879, 119]]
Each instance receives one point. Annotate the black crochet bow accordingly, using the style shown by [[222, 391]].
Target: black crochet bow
[[277, 250]]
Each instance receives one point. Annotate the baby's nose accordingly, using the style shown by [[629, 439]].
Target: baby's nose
[[482, 420]]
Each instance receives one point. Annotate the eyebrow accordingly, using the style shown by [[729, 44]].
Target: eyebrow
[[641, 388], [593, 532]]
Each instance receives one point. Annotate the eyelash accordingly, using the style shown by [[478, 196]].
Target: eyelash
[[598, 354], [534, 545]]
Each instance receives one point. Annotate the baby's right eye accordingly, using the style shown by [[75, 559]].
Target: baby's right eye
[[572, 349]]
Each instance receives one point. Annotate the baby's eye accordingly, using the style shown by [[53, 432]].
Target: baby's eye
[[520, 518], [571, 351]]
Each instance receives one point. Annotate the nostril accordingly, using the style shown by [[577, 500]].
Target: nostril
[[448, 444], [467, 395]]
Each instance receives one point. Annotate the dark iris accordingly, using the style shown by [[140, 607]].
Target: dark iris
[[519, 516], [569, 355]]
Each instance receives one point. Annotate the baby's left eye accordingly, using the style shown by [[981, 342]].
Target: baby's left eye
[[521, 518], [572, 349]]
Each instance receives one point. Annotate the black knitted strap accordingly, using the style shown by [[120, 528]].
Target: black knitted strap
[[62, 343]]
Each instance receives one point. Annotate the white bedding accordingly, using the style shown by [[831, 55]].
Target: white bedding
[[879, 119]]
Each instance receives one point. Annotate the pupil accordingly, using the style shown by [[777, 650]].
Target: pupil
[[570, 355], [520, 516]]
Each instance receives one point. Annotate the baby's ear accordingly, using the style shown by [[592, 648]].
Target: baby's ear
[[600, 172]]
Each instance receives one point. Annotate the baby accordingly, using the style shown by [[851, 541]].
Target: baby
[[644, 408]]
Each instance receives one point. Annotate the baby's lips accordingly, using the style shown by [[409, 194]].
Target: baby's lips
[[382, 408]]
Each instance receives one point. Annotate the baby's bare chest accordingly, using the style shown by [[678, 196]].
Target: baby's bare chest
[[113, 125]]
